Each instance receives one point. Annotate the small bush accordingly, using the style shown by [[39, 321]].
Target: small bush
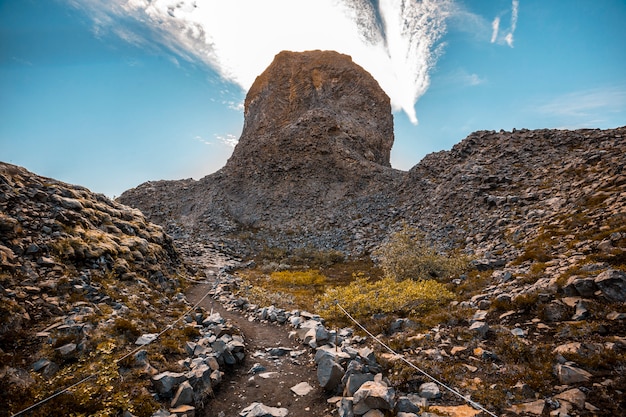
[[407, 256], [363, 298]]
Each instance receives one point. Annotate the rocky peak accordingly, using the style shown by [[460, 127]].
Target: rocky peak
[[314, 108], [318, 132]]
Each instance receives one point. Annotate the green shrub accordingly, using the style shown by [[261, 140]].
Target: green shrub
[[407, 256], [363, 298]]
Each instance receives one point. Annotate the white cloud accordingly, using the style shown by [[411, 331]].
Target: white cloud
[[228, 139], [508, 38], [514, 12], [201, 139], [397, 41], [235, 105], [474, 79], [495, 25]]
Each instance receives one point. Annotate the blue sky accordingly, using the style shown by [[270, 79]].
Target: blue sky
[[111, 93]]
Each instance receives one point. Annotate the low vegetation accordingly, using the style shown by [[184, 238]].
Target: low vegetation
[[407, 255], [364, 298]]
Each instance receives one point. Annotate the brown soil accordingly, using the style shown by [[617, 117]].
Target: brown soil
[[239, 388]]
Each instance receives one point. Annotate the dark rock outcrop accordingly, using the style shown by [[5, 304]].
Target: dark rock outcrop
[[316, 140]]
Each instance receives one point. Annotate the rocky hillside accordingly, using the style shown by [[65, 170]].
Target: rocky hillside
[[312, 169], [537, 326], [85, 281]]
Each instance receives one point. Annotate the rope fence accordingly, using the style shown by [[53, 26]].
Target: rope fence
[[412, 365], [132, 352]]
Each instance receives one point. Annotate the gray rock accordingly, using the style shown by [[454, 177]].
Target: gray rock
[[430, 391], [184, 395], [479, 315], [585, 287], [405, 405], [146, 338], [354, 382], [373, 395], [67, 350], [346, 407], [40, 365], [523, 390], [568, 374], [200, 378], [261, 410], [278, 351], [165, 382], [303, 388], [480, 328], [518, 332], [614, 315], [329, 373], [582, 312], [256, 368], [573, 396], [336, 354], [612, 283], [555, 311]]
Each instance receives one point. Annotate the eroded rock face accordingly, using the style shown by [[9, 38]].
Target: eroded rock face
[[318, 133], [318, 129], [313, 110]]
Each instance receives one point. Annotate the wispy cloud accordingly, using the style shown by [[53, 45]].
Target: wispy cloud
[[397, 41], [462, 77], [508, 36], [594, 107], [234, 105], [202, 140], [495, 25], [228, 140]]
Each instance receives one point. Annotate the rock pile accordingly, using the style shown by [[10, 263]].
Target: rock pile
[[217, 348], [347, 369]]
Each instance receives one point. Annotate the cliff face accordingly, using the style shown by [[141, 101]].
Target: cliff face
[[318, 132]]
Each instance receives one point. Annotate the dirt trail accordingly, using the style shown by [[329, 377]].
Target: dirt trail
[[240, 388]]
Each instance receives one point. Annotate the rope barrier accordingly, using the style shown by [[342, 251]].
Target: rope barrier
[[132, 352], [406, 361]]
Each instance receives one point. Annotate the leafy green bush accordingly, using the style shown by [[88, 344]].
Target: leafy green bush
[[407, 256], [363, 298]]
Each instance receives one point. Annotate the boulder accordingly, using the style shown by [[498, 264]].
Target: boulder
[[430, 391], [612, 283], [480, 328], [373, 395], [573, 396], [165, 382], [184, 395], [329, 373], [569, 374]]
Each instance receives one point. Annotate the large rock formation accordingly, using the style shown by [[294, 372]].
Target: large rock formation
[[312, 168], [318, 134]]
